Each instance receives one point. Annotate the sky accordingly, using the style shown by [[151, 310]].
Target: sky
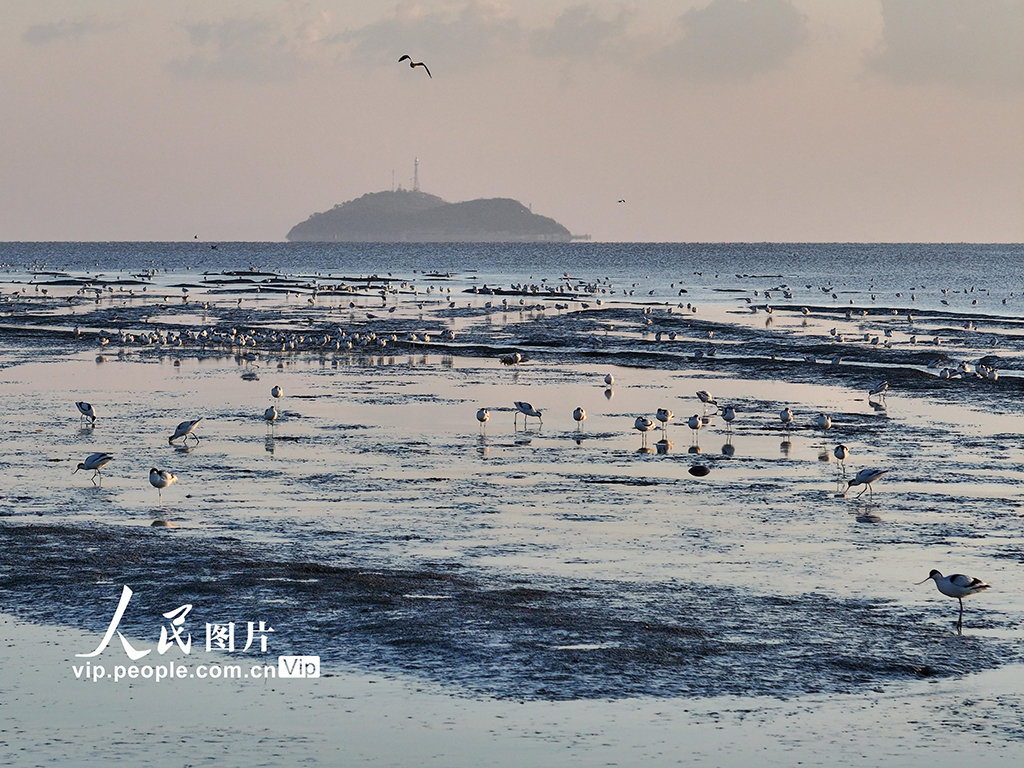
[[715, 120]]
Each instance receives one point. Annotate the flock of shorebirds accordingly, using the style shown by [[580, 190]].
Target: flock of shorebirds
[[956, 585]]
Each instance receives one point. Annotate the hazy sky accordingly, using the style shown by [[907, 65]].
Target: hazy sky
[[716, 120]]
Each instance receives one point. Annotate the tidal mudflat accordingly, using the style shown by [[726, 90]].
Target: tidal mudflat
[[572, 572]]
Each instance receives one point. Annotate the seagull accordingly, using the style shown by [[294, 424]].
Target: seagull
[[579, 415], [878, 388], [643, 425], [270, 415], [184, 430], [277, 392], [609, 379], [959, 586], [415, 64], [664, 415], [527, 410], [483, 415], [95, 462], [866, 477], [87, 411], [823, 422], [160, 479]]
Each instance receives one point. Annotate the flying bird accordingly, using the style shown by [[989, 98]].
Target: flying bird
[[415, 64]]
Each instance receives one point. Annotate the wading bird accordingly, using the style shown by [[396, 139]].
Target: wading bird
[[695, 422], [579, 415], [482, 416], [866, 477], [878, 390], [643, 425], [664, 415], [160, 479], [959, 586], [705, 397], [729, 415], [527, 410], [822, 422], [415, 64], [609, 379], [185, 430], [270, 416], [786, 416], [276, 392], [842, 453], [95, 462], [86, 411]]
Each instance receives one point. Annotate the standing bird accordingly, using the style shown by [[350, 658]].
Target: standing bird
[[482, 416], [270, 416], [643, 425], [160, 479], [276, 393], [786, 416], [95, 462], [823, 422], [86, 411], [878, 390], [579, 415], [415, 64], [959, 586], [664, 415], [729, 415], [527, 410], [866, 477], [695, 422], [184, 430], [841, 453], [609, 379], [705, 397]]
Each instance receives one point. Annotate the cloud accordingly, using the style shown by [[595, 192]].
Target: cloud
[[734, 40], [75, 30], [972, 44], [580, 33], [474, 34], [253, 48]]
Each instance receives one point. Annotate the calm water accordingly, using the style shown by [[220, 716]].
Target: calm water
[[704, 269], [380, 523]]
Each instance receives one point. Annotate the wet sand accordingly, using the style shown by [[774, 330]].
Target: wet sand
[[625, 605], [347, 717]]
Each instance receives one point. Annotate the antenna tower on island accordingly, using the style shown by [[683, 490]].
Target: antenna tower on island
[[416, 175]]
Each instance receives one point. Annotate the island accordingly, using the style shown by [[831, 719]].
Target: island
[[417, 217]]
